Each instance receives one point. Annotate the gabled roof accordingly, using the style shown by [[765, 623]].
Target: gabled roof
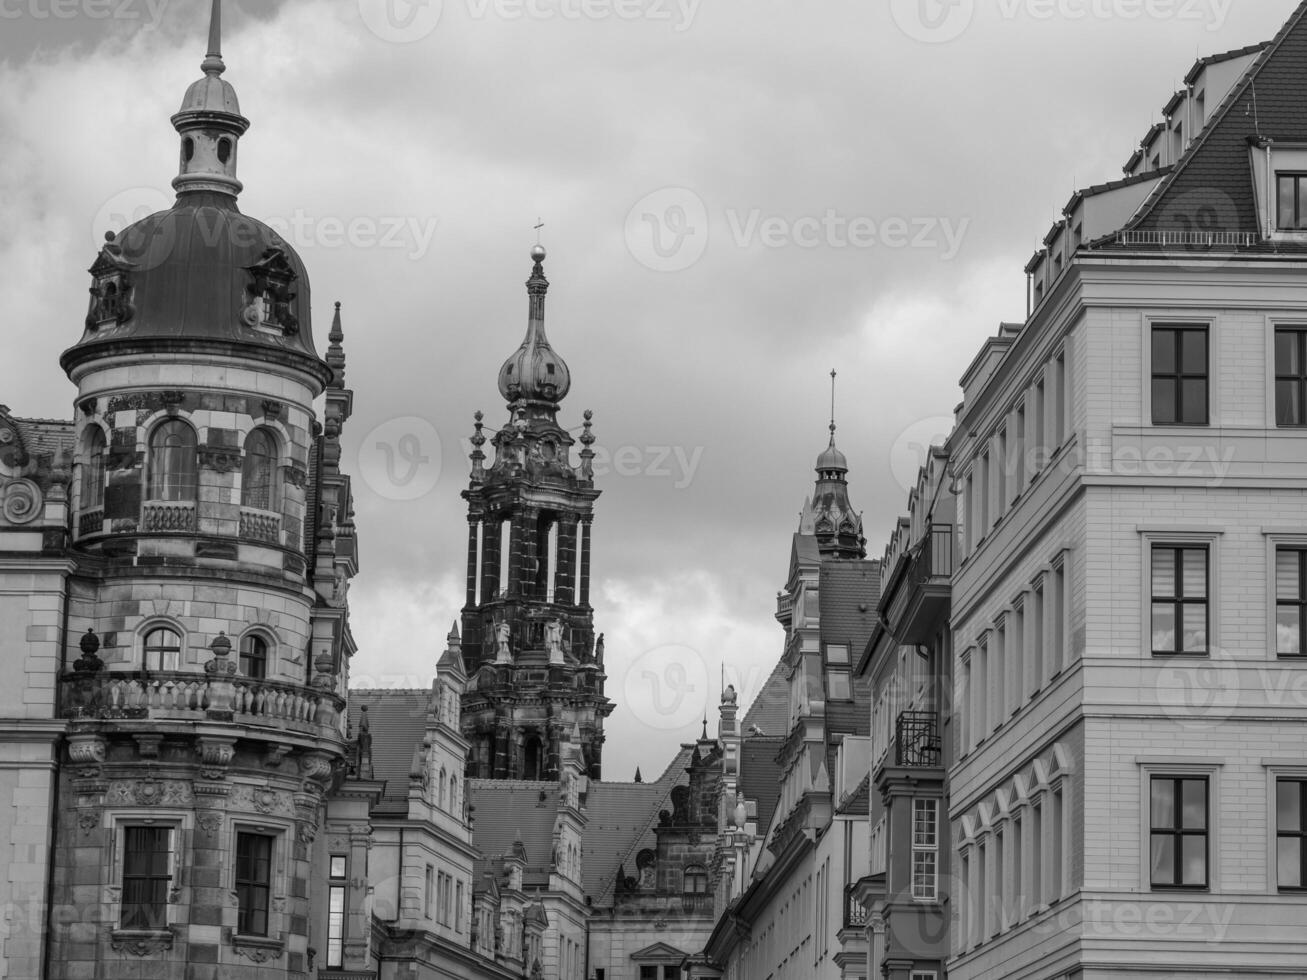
[[760, 775], [397, 720], [1212, 179], [658, 951]]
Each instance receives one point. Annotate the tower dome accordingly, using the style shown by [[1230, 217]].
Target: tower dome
[[202, 274], [535, 372], [828, 515]]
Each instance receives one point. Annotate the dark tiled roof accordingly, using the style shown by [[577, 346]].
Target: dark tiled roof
[[620, 822], [760, 775], [46, 437], [1212, 179], [858, 802], [849, 591], [507, 811], [1216, 59], [770, 710], [398, 722]]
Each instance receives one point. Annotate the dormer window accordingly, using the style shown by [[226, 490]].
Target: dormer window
[[1291, 205]]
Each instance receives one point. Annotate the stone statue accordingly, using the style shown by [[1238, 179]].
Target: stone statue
[[504, 654], [729, 696], [554, 642]]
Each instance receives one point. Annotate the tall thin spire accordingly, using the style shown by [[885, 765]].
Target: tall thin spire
[[832, 406], [213, 64]]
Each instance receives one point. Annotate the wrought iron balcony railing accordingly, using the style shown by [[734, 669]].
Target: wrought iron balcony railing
[[916, 739], [855, 913]]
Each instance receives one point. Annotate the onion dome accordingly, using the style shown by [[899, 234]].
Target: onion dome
[[201, 276], [535, 373]]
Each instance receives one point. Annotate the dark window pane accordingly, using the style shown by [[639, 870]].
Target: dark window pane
[[1195, 804], [1288, 631], [1164, 354], [1163, 804], [1193, 402], [1164, 585], [1164, 628], [1288, 403], [1193, 352], [1286, 202], [1163, 859], [1195, 573], [1164, 402], [1195, 627], [1288, 809], [1194, 860], [1289, 862], [1287, 347]]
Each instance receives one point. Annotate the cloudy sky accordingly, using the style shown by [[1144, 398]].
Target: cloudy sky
[[738, 195]]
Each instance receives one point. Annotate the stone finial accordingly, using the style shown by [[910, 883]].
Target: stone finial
[[89, 662]]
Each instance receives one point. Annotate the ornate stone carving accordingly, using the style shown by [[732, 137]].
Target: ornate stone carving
[[267, 800], [88, 820], [88, 752], [221, 459], [150, 792], [296, 476], [316, 769], [111, 299], [210, 823], [21, 501], [268, 295], [215, 756], [140, 944]]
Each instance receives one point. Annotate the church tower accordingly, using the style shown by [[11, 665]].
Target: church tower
[[211, 555], [828, 515], [535, 667]]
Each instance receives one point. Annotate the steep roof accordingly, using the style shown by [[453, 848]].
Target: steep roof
[[621, 818], [760, 775], [1212, 180], [398, 722], [510, 810], [770, 710]]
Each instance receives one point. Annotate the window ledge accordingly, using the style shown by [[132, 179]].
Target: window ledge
[[260, 949], [141, 942]]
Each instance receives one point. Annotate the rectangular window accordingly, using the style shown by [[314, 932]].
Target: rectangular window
[[1038, 438], [1290, 376], [1036, 856], [1292, 202], [1039, 642], [982, 894], [147, 853], [986, 516], [1055, 859], [336, 912], [1059, 401], [1179, 590], [1018, 869], [1017, 656], [458, 907], [1290, 601], [925, 850], [1291, 833], [428, 891], [1002, 668], [253, 882], [648, 973], [980, 693], [1005, 494], [1180, 367], [1178, 821]]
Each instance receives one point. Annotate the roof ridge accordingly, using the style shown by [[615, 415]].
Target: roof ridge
[[1236, 93]]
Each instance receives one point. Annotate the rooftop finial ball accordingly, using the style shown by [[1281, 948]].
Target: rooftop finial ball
[[538, 253]]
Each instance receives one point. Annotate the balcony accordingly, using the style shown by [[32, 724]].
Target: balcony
[[180, 696], [260, 525], [918, 597], [916, 740], [855, 913], [90, 522], [170, 516]]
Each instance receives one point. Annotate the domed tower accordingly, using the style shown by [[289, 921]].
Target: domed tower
[[828, 515], [213, 536], [536, 669]]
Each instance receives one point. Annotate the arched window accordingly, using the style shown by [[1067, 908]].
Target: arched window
[[173, 462], [93, 471], [162, 649], [254, 656], [257, 471], [440, 797]]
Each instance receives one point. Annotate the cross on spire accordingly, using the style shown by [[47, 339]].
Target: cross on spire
[[832, 406]]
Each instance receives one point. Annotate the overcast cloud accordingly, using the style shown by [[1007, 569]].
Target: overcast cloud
[[737, 195]]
